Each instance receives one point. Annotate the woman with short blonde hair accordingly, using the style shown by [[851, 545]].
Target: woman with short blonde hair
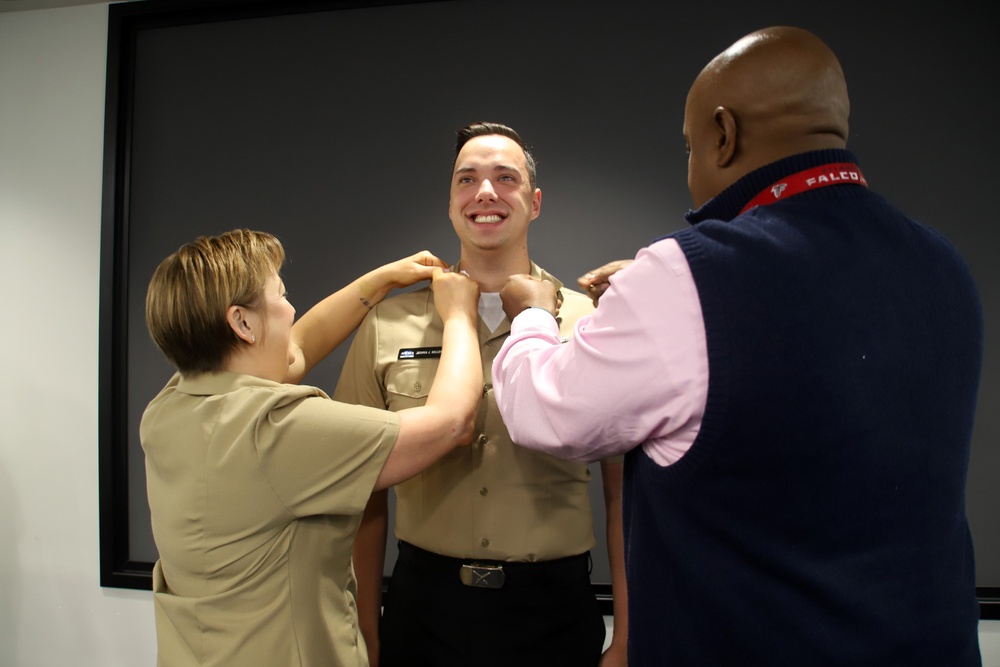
[[256, 484]]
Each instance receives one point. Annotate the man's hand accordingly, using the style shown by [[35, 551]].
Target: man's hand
[[595, 282], [523, 291], [614, 657]]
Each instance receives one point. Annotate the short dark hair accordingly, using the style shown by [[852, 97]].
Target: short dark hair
[[483, 129], [192, 290]]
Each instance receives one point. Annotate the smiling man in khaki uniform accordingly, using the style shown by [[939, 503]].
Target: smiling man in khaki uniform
[[493, 567]]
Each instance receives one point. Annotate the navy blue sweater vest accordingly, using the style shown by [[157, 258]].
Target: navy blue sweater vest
[[819, 517]]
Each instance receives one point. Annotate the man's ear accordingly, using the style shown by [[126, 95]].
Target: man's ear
[[536, 204], [236, 318], [725, 124]]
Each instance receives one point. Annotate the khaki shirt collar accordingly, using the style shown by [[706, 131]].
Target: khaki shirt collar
[[535, 271], [220, 382]]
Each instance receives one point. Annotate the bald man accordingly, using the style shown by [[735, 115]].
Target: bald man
[[794, 378]]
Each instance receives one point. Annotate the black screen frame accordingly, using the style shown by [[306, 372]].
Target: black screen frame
[[118, 568]]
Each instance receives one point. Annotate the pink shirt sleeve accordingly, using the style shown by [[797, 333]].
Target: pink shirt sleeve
[[635, 371]]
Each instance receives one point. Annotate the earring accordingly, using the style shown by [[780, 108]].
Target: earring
[[252, 339]]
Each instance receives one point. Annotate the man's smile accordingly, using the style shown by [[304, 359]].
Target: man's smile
[[486, 218]]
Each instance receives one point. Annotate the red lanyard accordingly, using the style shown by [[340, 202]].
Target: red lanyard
[[835, 173]]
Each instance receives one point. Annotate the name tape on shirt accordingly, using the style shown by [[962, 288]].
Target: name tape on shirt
[[419, 353]]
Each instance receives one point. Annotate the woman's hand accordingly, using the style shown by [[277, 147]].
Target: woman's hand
[[455, 294], [328, 324], [376, 284]]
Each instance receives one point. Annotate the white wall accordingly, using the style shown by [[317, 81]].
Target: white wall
[[52, 608]]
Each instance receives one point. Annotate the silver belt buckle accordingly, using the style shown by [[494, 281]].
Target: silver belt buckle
[[482, 576]]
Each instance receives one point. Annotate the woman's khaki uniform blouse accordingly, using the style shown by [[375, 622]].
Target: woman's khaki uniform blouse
[[256, 490]]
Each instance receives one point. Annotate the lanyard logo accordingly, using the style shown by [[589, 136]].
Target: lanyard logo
[[835, 173]]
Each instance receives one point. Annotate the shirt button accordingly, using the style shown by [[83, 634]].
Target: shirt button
[[483, 491], [487, 387], [417, 386], [485, 542], [483, 439]]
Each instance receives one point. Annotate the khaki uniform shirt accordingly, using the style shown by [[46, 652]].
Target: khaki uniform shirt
[[256, 490], [491, 499]]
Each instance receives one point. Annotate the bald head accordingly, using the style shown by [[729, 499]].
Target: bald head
[[774, 93]]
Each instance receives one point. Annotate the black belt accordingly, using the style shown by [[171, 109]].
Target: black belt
[[480, 573]]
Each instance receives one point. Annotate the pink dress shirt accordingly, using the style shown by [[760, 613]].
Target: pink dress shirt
[[635, 372]]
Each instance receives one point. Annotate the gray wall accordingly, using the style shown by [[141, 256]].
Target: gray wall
[[334, 130]]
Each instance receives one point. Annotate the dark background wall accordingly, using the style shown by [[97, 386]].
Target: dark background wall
[[334, 130]]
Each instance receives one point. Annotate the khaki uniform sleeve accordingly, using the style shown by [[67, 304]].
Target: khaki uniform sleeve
[[360, 381], [321, 456]]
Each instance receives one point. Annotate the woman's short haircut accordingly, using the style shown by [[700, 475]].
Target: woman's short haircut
[[192, 290]]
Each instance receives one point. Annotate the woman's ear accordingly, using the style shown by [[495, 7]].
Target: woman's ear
[[725, 124], [236, 317]]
